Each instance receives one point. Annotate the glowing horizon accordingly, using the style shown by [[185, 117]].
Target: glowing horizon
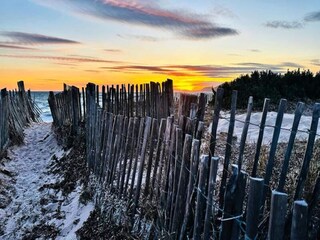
[[199, 45]]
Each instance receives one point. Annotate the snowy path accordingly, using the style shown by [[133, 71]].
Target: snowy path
[[32, 205]]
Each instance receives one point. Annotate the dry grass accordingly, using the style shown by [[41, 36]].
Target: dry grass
[[113, 219], [295, 165]]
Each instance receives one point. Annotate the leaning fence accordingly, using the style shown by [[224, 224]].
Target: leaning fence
[[155, 166], [17, 110]]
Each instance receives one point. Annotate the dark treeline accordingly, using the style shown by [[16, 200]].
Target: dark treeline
[[293, 85]]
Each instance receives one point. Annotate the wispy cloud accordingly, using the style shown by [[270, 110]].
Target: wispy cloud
[[254, 50], [312, 17], [166, 70], [188, 25], [262, 66], [291, 64], [60, 59], [49, 80], [21, 38], [110, 50], [140, 37], [284, 24], [9, 46], [223, 11], [212, 71], [92, 71], [315, 62]]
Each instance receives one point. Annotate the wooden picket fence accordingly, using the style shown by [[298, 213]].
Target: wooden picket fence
[[17, 110], [4, 126], [140, 100], [66, 110], [156, 163]]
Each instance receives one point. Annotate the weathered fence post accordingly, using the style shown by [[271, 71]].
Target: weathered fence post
[[176, 171], [126, 154], [277, 218], [134, 145], [153, 138], [157, 154], [180, 202], [253, 207], [142, 159], [315, 196], [244, 133], [273, 148], [194, 163], [285, 165], [137, 151], [260, 136], [211, 186], [299, 227], [232, 210], [228, 149], [309, 151], [214, 127], [201, 198]]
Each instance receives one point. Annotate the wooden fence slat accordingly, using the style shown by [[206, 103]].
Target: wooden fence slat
[[228, 149], [185, 101], [232, 210], [285, 165], [153, 138], [273, 148], [84, 103], [215, 120], [299, 227], [253, 207], [315, 196], [177, 169], [97, 141], [277, 215], [199, 130], [244, 134], [157, 154], [201, 198], [108, 143], [165, 164], [171, 177], [239, 199], [211, 187], [134, 143], [114, 148], [201, 106], [121, 150], [136, 159], [194, 163], [142, 160], [260, 136], [180, 204], [126, 155], [309, 151]]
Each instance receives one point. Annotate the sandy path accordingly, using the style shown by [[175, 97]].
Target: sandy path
[[32, 205]]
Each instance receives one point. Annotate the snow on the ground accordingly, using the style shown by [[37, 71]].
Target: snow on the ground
[[75, 215], [255, 119], [32, 204]]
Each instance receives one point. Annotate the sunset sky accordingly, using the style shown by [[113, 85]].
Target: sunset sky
[[198, 44]]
